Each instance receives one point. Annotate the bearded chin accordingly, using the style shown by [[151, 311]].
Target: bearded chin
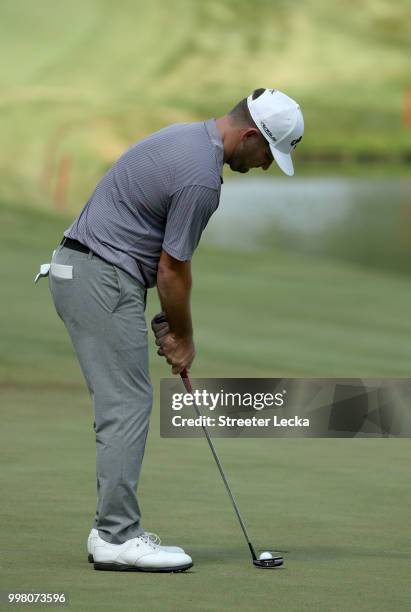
[[236, 168], [237, 165]]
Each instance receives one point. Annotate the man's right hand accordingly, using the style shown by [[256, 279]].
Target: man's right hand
[[179, 352]]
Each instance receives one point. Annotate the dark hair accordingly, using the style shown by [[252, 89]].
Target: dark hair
[[240, 112]]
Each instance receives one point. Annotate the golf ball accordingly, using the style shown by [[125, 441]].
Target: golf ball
[[265, 555]]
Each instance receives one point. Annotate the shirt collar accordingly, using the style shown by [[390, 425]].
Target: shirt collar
[[215, 137]]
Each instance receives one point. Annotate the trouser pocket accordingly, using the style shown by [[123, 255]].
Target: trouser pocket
[[61, 289], [84, 288]]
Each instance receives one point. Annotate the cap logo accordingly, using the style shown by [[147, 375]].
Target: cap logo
[[268, 131], [295, 142]]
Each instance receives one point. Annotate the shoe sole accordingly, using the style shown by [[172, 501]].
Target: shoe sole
[[90, 558], [119, 567]]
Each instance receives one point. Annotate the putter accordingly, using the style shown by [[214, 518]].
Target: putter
[[274, 561], [262, 563]]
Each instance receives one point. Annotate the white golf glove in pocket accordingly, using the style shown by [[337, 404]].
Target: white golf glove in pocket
[[58, 270]]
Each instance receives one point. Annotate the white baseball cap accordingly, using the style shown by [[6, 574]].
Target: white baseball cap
[[280, 120]]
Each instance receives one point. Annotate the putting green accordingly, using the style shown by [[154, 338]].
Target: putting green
[[338, 509]]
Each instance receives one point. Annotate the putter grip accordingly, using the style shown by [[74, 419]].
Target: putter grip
[[160, 318], [186, 382]]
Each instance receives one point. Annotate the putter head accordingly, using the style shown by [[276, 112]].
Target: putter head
[[269, 563]]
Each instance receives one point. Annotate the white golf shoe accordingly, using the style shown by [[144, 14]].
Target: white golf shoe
[[138, 555], [93, 537]]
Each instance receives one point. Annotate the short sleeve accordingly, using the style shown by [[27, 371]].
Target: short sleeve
[[190, 210]]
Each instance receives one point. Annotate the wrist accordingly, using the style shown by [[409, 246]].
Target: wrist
[[185, 338]]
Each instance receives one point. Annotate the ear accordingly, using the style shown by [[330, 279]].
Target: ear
[[249, 132]]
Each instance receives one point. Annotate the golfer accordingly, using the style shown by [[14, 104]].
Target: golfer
[[138, 230]]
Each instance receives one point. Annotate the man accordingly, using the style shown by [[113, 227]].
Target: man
[[140, 229]]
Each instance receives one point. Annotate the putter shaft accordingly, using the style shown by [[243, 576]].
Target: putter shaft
[[189, 389]]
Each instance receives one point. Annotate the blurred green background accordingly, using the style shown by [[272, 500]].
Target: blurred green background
[[83, 80], [295, 277]]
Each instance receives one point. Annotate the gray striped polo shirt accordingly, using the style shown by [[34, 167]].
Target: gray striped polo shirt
[[160, 194]]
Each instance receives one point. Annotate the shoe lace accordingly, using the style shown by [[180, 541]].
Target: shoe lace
[[147, 539], [153, 537]]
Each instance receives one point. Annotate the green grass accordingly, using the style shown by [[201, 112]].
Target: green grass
[[83, 80], [340, 508]]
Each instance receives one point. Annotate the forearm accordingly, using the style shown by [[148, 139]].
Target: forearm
[[174, 288]]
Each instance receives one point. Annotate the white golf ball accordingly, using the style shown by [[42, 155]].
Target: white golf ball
[[265, 555]]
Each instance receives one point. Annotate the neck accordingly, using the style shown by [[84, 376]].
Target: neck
[[227, 134]]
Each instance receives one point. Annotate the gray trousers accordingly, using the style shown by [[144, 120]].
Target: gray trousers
[[102, 308]]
